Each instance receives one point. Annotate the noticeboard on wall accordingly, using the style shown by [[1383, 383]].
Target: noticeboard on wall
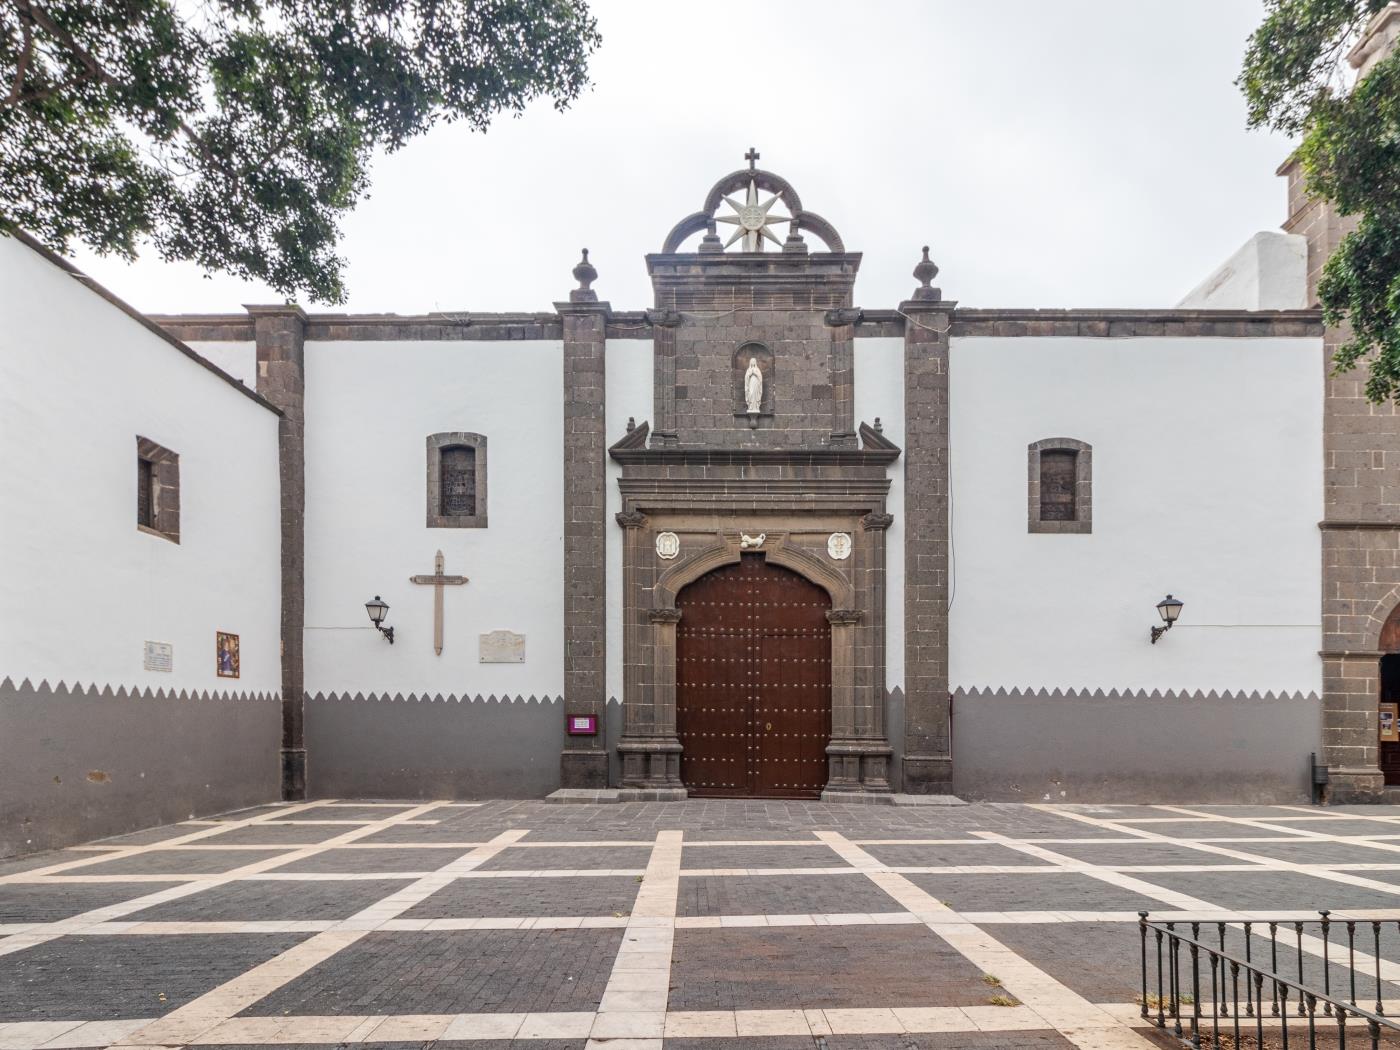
[[1390, 727]]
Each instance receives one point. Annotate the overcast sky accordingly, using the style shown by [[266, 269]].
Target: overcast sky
[[1065, 153]]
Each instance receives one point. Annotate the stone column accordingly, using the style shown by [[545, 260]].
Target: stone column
[[584, 759], [928, 764], [280, 333]]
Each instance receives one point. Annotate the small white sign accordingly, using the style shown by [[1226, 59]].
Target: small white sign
[[502, 647], [838, 545], [160, 656]]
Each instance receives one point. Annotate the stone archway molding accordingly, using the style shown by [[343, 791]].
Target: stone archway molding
[[1381, 614], [728, 548]]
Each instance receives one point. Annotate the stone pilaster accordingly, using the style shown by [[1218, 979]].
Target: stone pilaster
[[842, 323], [280, 334], [664, 324], [584, 759], [928, 765]]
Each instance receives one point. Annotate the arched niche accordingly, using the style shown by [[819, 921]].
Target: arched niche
[[739, 368]]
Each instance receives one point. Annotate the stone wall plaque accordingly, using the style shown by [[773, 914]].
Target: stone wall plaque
[[502, 647], [668, 545], [160, 656], [838, 545]]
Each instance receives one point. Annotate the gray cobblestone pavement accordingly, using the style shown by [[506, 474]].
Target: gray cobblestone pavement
[[759, 925]]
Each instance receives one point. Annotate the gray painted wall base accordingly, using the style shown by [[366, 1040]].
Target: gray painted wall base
[[392, 747], [1134, 747], [77, 764]]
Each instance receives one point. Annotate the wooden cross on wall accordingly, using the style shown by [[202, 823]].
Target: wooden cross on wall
[[438, 580]]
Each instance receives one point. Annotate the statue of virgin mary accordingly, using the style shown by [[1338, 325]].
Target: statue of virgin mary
[[753, 387]]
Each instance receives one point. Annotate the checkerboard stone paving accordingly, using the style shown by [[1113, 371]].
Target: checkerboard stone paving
[[688, 926]]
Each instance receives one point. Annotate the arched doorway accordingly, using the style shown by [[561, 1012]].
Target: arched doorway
[[1390, 698], [753, 682]]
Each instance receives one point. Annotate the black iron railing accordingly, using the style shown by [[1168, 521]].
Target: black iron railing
[[1230, 982]]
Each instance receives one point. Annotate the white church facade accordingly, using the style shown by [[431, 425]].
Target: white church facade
[[758, 539]]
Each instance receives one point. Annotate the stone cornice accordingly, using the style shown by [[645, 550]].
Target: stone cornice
[[874, 323], [765, 456]]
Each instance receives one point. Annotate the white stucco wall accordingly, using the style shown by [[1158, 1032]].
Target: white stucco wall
[[1207, 483], [1269, 272], [370, 407], [238, 359], [880, 393], [84, 589], [630, 393]]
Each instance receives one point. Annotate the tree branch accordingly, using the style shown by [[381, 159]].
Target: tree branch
[[25, 56]]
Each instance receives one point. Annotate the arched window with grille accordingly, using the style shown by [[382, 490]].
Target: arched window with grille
[[456, 481]]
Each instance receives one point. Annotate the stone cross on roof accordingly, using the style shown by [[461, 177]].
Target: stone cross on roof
[[752, 157]]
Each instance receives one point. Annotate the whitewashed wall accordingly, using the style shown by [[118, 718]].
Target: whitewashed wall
[[880, 393], [84, 589], [238, 359], [630, 393], [370, 407], [1207, 483], [1268, 272]]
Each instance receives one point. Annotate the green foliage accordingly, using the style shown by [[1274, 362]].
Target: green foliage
[[236, 133], [1350, 156]]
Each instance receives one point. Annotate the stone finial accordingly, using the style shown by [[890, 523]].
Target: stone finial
[[631, 424], [585, 273], [879, 427], [794, 245], [924, 273], [711, 242]]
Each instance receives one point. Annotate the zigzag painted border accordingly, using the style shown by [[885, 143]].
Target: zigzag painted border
[[109, 692], [436, 698], [1137, 695]]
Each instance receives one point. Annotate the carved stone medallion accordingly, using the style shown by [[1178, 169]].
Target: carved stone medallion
[[838, 545], [668, 545]]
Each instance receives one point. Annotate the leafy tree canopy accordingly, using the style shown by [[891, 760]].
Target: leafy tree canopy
[[1350, 152], [236, 133]]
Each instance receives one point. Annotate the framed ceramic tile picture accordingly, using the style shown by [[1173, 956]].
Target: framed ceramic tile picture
[[226, 654]]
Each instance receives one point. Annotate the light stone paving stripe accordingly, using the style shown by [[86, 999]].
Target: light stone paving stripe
[[700, 922], [352, 1029], [77, 923], [1264, 825], [1055, 1004], [633, 1006], [1389, 971], [232, 997], [1328, 872], [135, 850]]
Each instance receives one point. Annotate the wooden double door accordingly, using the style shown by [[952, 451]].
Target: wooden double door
[[753, 682]]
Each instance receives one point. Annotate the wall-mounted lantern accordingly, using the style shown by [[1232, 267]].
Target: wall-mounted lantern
[[1169, 609], [377, 610]]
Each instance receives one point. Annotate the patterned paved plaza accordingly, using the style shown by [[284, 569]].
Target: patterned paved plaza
[[693, 926]]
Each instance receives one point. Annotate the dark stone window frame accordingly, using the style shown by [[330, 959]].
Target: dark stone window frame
[[437, 444], [164, 477], [1083, 486]]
